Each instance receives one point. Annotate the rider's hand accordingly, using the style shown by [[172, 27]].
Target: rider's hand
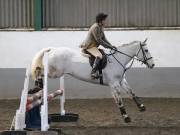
[[114, 48]]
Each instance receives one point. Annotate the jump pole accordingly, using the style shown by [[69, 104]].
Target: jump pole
[[20, 113], [62, 97], [44, 107]]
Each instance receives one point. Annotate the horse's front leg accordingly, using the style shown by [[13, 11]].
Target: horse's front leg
[[115, 90], [130, 92]]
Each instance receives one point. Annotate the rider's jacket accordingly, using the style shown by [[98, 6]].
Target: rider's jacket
[[95, 38]]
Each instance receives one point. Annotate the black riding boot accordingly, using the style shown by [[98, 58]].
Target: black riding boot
[[94, 68]]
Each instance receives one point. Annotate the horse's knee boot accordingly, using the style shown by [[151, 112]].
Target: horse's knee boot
[[139, 104]]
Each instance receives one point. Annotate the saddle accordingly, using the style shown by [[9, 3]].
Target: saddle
[[102, 63]]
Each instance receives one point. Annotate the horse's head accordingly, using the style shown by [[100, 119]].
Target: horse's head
[[144, 55]]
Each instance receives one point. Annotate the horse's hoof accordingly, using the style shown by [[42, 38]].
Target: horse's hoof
[[142, 108], [127, 119]]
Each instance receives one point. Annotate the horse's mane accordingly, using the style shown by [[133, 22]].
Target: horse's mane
[[129, 44]]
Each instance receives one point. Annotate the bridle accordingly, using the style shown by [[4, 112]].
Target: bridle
[[144, 59]]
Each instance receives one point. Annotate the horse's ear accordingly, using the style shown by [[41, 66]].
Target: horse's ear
[[145, 40]]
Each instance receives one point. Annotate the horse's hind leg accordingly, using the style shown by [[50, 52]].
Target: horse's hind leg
[[130, 92], [115, 90]]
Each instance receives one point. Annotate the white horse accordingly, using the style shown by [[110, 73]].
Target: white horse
[[67, 61]]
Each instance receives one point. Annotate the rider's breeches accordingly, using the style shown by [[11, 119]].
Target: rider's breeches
[[95, 52]]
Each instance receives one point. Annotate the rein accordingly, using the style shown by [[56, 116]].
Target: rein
[[145, 59]]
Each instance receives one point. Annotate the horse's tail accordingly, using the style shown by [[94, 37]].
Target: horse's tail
[[37, 62]]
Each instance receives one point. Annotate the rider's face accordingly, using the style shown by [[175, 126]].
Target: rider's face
[[104, 23]]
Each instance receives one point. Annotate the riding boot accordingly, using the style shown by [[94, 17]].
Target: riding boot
[[94, 68]]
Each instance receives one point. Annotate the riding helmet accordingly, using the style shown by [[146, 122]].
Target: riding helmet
[[100, 17]]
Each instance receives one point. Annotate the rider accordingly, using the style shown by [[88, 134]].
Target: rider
[[95, 38]]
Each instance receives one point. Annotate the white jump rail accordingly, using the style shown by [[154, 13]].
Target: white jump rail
[[20, 113], [62, 97], [44, 106]]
